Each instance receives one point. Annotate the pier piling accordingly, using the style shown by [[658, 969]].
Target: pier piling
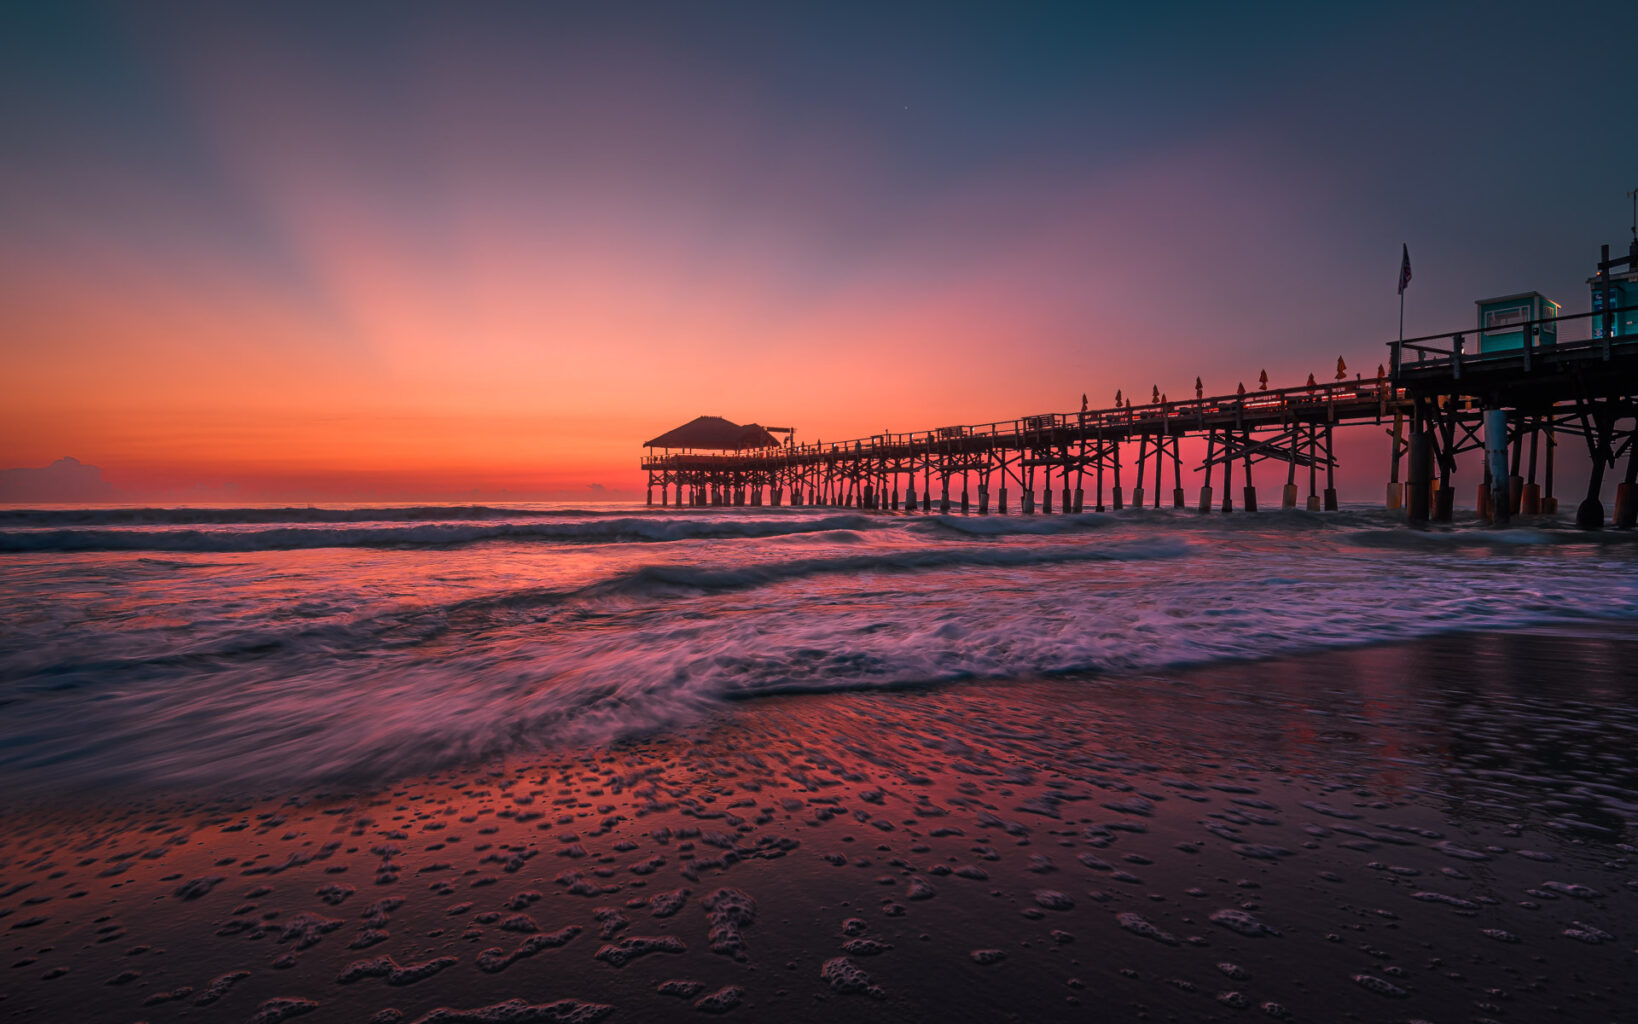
[[1441, 400], [1495, 451]]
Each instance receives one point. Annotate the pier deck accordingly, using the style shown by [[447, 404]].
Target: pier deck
[[1439, 400]]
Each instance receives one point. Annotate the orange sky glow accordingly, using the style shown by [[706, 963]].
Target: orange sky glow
[[454, 267]]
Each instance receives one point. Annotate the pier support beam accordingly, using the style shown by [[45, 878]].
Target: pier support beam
[[1515, 480], [1142, 462], [1250, 488], [1288, 495], [1160, 458], [1626, 492], [1590, 514], [1417, 491], [1313, 503], [1442, 437], [1178, 500], [1396, 490], [1549, 502], [1330, 474], [1530, 504], [1115, 450], [1098, 476], [1205, 488]]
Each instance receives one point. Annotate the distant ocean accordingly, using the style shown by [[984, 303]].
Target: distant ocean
[[251, 646]]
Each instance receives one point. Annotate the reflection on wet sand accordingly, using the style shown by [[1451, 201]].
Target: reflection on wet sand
[[1435, 830]]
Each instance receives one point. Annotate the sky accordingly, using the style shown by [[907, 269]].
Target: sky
[[401, 251]]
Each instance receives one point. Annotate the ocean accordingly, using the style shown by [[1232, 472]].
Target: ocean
[[247, 647]]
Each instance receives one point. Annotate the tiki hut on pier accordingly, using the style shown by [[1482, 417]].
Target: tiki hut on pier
[[701, 463], [713, 434]]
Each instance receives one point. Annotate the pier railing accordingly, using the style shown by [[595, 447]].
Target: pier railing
[[1441, 400], [1304, 401], [1450, 349], [1352, 398]]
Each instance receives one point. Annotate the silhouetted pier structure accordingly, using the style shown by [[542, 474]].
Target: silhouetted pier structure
[[1435, 398]]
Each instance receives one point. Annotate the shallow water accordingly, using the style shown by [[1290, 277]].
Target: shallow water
[[270, 646]]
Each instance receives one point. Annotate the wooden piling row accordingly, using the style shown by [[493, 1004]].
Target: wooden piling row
[[1432, 411]]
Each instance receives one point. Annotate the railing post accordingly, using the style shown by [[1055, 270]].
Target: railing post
[[1456, 351]]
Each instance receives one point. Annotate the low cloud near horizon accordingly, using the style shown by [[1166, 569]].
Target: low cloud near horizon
[[67, 479]]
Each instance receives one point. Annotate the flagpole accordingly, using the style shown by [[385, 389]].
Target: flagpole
[[1404, 279]]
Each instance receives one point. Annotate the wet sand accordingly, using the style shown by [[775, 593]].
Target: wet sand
[[1430, 831]]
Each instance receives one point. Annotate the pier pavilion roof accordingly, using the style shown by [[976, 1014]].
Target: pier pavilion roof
[[713, 433]]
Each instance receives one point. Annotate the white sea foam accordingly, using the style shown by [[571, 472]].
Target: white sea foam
[[363, 656]]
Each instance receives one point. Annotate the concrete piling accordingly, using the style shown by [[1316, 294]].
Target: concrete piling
[[1417, 491], [1626, 506]]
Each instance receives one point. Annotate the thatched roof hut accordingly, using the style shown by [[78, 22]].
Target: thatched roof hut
[[713, 433]]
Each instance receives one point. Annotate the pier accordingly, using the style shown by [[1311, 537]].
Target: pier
[[1516, 388]]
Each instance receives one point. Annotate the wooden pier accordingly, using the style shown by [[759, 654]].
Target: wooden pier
[[1434, 398]]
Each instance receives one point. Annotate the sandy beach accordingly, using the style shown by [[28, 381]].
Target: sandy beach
[[1426, 831]]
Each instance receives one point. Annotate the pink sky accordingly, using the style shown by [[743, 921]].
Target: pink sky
[[453, 264]]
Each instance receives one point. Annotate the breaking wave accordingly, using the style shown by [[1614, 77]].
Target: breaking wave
[[140, 659], [427, 535]]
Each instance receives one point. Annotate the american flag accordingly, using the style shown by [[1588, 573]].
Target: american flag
[[1404, 267]]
